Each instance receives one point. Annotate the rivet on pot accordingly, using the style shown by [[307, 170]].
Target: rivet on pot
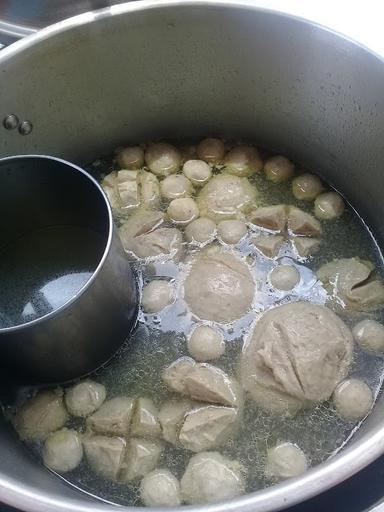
[[11, 122], [25, 128]]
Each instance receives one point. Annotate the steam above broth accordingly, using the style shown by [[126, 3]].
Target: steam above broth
[[244, 369]]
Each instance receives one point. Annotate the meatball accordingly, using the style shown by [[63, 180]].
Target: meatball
[[211, 150], [307, 187], [232, 231], [105, 455], [243, 161], [207, 383], [285, 460], [329, 205], [145, 421], [284, 277], [175, 374], [163, 159], [303, 350], [206, 343], [160, 489], [226, 197], [113, 417], [171, 416], [201, 230], [41, 415], [84, 398], [183, 210], [353, 399], [142, 456], [156, 296], [211, 477], [197, 171], [175, 186], [219, 286], [207, 427], [352, 283], [130, 157], [278, 169], [63, 451], [369, 334], [269, 245]]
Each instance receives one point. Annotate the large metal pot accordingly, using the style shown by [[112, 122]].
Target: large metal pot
[[165, 68]]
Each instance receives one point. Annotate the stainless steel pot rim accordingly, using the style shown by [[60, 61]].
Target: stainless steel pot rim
[[340, 467], [102, 259]]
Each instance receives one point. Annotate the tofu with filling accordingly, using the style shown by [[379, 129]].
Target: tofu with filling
[[208, 383], [145, 421], [113, 417], [174, 376], [270, 217], [142, 456], [127, 188], [306, 246], [105, 455], [207, 427], [302, 223], [171, 416], [269, 245]]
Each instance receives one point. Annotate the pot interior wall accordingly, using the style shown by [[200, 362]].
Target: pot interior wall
[[172, 71]]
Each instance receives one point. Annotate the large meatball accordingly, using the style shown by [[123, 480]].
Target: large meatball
[[210, 477], [142, 456], [113, 417], [226, 197], [41, 415], [301, 350], [63, 451], [219, 286], [84, 398], [105, 455]]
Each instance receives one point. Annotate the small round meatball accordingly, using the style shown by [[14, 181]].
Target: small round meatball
[[243, 161], [285, 460], [232, 231], [284, 277], [160, 489], [197, 171], [353, 399], [163, 159], [84, 398], [130, 158], [329, 205], [206, 343], [41, 415], [369, 334], [307, 187], [156, 295], [211, 150], [183, 210], [210, 477], [175, 186], [201, 230], [278, 169], [63, 451]]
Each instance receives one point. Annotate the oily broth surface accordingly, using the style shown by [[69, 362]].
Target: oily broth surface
[[159, 339]]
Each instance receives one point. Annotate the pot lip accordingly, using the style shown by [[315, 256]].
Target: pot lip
[[316, 480], [107, 242]]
